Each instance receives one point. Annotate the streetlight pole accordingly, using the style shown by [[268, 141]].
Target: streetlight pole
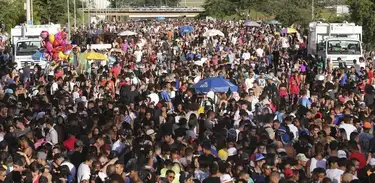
[[28, 11], [83, 14], [75, 15], [32, 11], [312, 10], [67, 2]]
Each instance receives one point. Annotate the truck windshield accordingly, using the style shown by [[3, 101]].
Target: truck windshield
[[25, 48], [349, 47]]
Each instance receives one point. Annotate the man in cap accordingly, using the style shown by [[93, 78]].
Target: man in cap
[[259, 160], [365, 138], [300, 166]]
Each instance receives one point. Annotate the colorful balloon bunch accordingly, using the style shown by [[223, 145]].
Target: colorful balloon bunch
[[55, 47]]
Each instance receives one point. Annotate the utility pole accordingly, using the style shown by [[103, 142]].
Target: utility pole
[[28, 11], [83, 14], [75, 15], [32, 11], [67, 2], [89, 13], [312, 10]]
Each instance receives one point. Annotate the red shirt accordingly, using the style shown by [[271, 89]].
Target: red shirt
[[69, 143], [294, 85], [360, 157], [116, 71], [370, 75]]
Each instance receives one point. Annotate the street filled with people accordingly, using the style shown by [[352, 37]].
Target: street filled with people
[[183, 101]]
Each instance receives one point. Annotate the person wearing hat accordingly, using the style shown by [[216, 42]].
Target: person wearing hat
[[259, 161], [76, 156], [365, 138], [300, 166]]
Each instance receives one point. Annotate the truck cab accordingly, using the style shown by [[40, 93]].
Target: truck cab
[[331, 41], [26, 42], [347, 49], [23, 50]]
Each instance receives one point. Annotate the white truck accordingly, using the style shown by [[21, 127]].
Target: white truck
[[331, 41], [26, 42]]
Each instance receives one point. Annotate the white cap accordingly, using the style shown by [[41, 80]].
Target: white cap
[[341, 154], [232, 151], [226, 178]]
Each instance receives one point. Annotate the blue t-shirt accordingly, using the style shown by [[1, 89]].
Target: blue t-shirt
[[338, 118], [165, 96], [343, 80], [305, 102]]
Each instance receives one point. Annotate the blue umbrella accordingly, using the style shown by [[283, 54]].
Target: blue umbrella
[[186, 29], [218, 84], [38, 56]]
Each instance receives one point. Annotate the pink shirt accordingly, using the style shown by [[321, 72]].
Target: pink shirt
[[39, 143]]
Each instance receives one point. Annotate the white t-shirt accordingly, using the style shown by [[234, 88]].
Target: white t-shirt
[[348, 129], [285, 42], [154, 98], [75, 96], [294, 130], [83, 172], [138, 56], [246, 56], [71, 167], [332, 173], [338, 179], [259, 52], [118, 146], [249, 83], [52, 136], [211, 95], [54, 88]]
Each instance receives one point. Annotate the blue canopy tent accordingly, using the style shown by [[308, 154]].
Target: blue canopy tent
[[218, 84], [186, 29]]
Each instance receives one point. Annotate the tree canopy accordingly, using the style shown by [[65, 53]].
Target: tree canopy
[[44, 11], [362, 13], [286, 11]]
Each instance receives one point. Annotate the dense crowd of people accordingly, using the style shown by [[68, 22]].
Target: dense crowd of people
[[139, 118]]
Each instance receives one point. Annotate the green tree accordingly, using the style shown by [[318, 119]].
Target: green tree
[[293, 11], [362, 13], [12, 13], [219, 8], [55, 11]]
